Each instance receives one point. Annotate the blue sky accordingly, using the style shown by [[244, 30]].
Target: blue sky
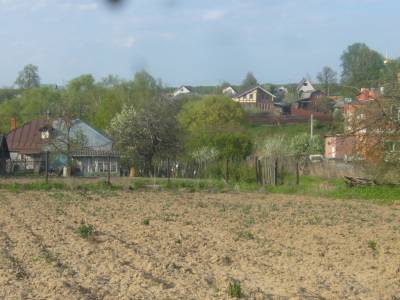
[[190, 41]]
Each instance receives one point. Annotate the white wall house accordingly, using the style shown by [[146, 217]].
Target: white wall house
[[183, 90]]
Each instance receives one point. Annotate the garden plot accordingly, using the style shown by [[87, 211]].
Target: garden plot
[[154, 245]]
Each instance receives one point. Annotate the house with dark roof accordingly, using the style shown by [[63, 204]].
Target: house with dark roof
[[91, 152], [309, 98], [4, 154], [256, 97]]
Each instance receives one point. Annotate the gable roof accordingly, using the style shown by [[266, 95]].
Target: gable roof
[[27, 139], [188, 87], [305, 86], [95, 140], [230, 87], [252, 89]]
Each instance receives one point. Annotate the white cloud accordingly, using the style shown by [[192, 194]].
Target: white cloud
[[214, 15], [13, 5], [126, 42]]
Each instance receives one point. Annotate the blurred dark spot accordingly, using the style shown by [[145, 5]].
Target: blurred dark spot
[[115, 3], [170, 3]]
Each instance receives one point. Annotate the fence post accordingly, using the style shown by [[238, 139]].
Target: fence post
[[109, 170], [47, 167], [227, 170], [297, 173], [276, 172], [168, 171], [257, 174]]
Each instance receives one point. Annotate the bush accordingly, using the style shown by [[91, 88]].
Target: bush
[[85, 230], [234, 289]]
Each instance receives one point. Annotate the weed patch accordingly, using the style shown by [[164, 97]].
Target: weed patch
[[234, 289], [85, 231]]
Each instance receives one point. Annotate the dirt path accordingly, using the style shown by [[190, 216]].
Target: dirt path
[[192, 245]]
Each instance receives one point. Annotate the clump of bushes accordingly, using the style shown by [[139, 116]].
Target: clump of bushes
[[234, 289], [85, 230]]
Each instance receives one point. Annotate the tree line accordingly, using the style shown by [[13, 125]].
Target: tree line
[[147, 125]]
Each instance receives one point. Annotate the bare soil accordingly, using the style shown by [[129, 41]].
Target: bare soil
[[154, 245]]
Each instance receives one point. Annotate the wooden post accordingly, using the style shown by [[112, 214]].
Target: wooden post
[[47, 167], [276, 172], [297, 173], [227, 170], [257, 174], [109, 170], [168, 171]]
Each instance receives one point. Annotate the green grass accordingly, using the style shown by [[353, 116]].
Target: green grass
[[336, 188], [34, 186], [234, 289], [260, 132], [309, 186], [85, 230]]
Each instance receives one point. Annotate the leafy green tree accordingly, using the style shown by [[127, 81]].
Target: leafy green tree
[[232, 146], [39, 102], [8, 109], [391, 78], [327, 77], [80, 98], [361, 65], [28, 77], [304, 145], [209, 117], [144, 89], [249, 81], [217, 123], [147, 132]]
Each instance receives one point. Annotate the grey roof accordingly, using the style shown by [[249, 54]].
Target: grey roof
[[95, 140]]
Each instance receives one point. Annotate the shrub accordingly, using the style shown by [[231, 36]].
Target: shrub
[[146, 222], [234, 289], [372, 245], [85, 230]]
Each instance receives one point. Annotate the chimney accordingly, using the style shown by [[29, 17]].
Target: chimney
[[13, 123]]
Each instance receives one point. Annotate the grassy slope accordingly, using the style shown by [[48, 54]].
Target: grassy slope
[[262, 132]]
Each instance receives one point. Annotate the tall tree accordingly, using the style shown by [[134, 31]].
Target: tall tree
[[28, 77], [327, 77], [218, 124], [80, 97], [361, 65], [147, 132], [249, 81]]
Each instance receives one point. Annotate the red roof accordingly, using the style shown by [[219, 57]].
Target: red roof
[[27, 139], [366, 95]]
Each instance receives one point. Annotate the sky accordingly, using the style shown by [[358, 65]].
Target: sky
[[194, 42]]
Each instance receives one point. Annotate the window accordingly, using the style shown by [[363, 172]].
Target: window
[[45, 134]]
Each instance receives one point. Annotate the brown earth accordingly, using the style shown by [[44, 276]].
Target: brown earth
[[278, 247]]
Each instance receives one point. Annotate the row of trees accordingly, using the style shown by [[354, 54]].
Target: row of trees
[[146, 125]]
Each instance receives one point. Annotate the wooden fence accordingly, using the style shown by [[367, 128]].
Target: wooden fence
[[277, 170]]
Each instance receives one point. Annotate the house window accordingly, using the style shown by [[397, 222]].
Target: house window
[[45, 134], [251, 96]]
